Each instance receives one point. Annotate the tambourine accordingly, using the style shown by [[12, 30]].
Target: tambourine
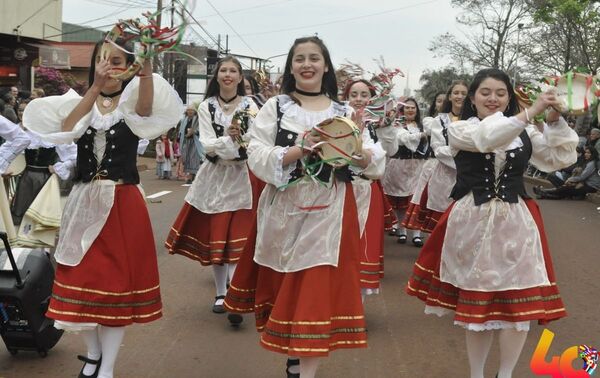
[[17, 166], [577, 93], [340, 141], [116, 32]]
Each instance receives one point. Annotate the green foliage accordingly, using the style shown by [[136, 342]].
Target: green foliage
[[436, 81]]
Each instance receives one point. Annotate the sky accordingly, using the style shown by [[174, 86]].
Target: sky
[[356, 31]]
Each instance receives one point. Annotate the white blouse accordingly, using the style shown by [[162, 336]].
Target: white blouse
[[89, 204], [443, 177], [496, 246], [299, 226], [224, 185], [67, 153], [12, 133]]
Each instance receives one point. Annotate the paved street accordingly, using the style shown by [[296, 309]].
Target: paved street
[[191, 341]]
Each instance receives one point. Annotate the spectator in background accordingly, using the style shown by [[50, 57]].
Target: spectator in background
[[164, 157], [576, 186], [37, 93], [189, 143], [9, 108], [594, 140]]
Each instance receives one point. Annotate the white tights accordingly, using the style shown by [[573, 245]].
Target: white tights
[[478, 347], [221, 274], [103, 341]]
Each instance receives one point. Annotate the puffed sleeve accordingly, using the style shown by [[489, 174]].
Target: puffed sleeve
[[376, 167], [392, 137], [495, 131], [224, 147], [441, 150], [555, 148], [44, 116], [16, 141], [67, 153], [265, 159], [166, 108]]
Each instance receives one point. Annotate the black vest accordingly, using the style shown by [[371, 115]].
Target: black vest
[[286, 138], [219, 131], [119, 160], [41, 157], [475, 172], [421, 152]]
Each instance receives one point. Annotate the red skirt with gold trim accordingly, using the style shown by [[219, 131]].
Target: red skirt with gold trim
[[371, 242], [543, 303], [416, 214], [399, 203], [431, 220], [213, 238], [116, 283], [310, 312], [389, 216]]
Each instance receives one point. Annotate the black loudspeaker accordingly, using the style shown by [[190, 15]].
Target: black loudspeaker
[[180, 79]]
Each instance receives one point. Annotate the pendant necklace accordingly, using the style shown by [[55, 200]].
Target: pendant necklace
[[107, 99], [226, 103]]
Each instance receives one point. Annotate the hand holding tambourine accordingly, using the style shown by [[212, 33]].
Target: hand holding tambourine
[[547, 99]]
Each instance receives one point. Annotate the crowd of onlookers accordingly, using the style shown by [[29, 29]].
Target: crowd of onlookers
[[583, 177], [13, 101]]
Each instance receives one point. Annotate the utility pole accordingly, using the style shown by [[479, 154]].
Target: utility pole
[[169, 57], [519, 27]]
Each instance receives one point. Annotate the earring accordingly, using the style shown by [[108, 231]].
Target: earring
[[472, 107]]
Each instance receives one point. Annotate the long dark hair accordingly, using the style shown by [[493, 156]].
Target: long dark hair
[[348, 88], [129, 59], [329, 82], [418, 115], [253, 84], [447, 105], [469, 110], [432, 110], [213, 86]]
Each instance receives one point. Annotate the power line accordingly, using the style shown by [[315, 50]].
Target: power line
[[343, 20], [232, 28], [35, 13], [249, 8], [197, 23]]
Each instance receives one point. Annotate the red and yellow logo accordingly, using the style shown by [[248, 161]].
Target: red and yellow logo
[[562, 366]]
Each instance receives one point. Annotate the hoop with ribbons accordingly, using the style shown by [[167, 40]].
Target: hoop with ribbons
[[151, 39], [577, 91], [341, 141]]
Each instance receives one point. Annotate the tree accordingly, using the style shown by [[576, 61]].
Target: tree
[[436, 81], [489, 41], [566, 35]]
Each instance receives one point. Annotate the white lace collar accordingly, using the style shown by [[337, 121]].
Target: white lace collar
[[222, 118], [311, 118], [104, 122]]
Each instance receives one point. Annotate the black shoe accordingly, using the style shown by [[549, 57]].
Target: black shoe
[[91, 362], [235, 319], [218, 309], [401, 239], [417, 241], [289, 363], [393, 232]]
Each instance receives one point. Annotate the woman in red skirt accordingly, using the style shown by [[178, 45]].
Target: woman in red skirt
[[107, 275], [435, 197], [303, 280], [213, 225], [406, 146], [415, 213], [487, 261], [371, 202]]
